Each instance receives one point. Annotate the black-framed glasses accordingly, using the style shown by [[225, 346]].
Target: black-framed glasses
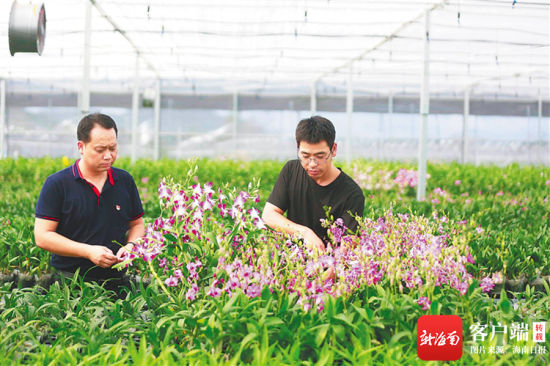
[[318, 158]]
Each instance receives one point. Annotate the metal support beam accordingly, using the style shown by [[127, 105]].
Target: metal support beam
[[123, 34], [313, 99], [234, 119], [349, 113], [424, 112], [539, 118], [387, 125], [541, 137], [2, 117], [548, 129], [465, 126], [156, 132], [84, 104], [530, 148], [387, 39], [135, 112]]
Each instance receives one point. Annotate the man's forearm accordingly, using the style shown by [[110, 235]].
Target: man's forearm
[[280, 223], [136, 231], [58, 244]]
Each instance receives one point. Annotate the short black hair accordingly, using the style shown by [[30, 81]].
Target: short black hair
[[314, 130], [88, 122]]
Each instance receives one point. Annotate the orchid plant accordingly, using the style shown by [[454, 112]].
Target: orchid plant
[[210, 241]]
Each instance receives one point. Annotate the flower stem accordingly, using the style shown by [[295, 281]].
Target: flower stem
[[164, 289]]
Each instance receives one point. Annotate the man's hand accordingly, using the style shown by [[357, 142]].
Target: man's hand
[[329, 274], [273, 216], [123, 250], [312, 241], [101, 256]]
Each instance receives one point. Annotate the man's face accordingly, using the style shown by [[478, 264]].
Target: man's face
[[100, 152], [316, 158]]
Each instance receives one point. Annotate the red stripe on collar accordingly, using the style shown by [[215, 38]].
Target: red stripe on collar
[[75, 163], [78, 170], [110, 174]]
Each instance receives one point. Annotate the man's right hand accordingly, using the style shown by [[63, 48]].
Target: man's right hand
[[273, 216], [312, 241], [101, 256]]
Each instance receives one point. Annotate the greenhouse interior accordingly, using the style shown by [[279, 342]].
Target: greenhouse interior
[[232, 79], [442, 119]]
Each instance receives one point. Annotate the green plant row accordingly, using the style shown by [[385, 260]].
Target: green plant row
[[375, 323], [81, 323], [510, 204]]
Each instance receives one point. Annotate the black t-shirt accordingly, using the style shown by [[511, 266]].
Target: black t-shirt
[[303, 199]]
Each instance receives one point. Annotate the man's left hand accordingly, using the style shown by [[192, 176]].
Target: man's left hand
[[123, 250]]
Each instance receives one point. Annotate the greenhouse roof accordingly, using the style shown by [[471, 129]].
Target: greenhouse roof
[[499, 48]]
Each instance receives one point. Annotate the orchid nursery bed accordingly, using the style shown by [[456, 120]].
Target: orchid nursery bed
[[219, 287]]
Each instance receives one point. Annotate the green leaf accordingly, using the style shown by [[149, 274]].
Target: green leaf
[[194, 246], [273, 321], [283, 303], [212, 238], [505, 305], [321, 333], [370, 312], [386, 314], [344, 318], [266, 294], [170, 237], [163, 320], [229, 305], [362, 312], [434, 308], [325, 358], [339, 331], [246, 340], [296, 349], [396, 337]]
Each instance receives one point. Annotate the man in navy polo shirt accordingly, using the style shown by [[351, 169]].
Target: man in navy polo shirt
[[88, 214]]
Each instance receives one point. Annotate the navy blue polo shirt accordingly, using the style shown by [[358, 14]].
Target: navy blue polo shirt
[[88, 216]]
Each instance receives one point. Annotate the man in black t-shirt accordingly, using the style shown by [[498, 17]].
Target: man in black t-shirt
[[311, 182]]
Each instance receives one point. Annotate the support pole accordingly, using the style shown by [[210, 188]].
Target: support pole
[[349, 113], [529, 138], [135, 112], [540, 142], [156, 133], [313, 98], [85, 91], [379, 141], [465, 126], [2, 116], [548, 129], [387, 125], [424, 111], [234, 120]]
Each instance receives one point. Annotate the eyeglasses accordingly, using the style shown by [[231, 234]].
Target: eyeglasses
[[318, 158]]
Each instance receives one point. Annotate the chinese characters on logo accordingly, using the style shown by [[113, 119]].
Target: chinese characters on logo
[[439, 339], [518, 333]]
